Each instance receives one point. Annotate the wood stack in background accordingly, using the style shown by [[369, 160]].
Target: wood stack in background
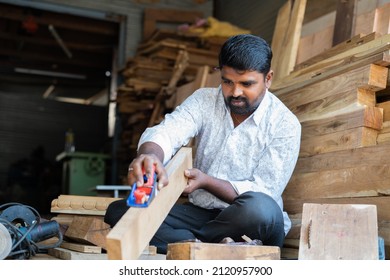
[[341, 97]]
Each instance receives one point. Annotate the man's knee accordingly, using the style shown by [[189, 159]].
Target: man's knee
[[260, 207]]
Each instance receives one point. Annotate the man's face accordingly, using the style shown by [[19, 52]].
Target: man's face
[[244, 90]]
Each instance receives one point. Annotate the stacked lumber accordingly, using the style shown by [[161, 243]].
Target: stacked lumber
[[341, 97]]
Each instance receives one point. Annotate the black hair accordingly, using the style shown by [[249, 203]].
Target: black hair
[[246, 52]]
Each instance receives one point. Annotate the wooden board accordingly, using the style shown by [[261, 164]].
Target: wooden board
[[66, 254], [212, 251], [339, 232], [337, 141], [345, 19], [136, 228], [82, 248]]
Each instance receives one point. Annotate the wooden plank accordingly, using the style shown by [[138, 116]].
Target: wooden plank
[[135, 229], [375, 51], [338, 232], [340, 140], [153, 16], [312, 46], [360, 181], [287, 46], [66, 254], [212, 251], [366, 116], [345, 19], [382, 203], [338, 95], [88, 230], [186, 90], [329, 52], [82, 248], [85, 205]]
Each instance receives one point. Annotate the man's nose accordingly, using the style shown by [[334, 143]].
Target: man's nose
[[237, 91]]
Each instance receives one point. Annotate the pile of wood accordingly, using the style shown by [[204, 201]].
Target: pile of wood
[[341, 97]]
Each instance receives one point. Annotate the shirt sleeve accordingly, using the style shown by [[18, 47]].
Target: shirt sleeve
[[177, 128], [277, 163]]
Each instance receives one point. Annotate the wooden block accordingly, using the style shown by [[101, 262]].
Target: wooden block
[[211, 251], [66, 254], [88, 230], [137, 226], [338, 232], [386, 110]]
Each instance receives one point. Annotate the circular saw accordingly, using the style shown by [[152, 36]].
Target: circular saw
[[5, 242]]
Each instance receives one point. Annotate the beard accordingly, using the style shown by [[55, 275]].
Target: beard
[[246, 108]]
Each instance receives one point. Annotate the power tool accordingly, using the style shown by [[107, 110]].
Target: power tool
[[21, 230], [142, 196]]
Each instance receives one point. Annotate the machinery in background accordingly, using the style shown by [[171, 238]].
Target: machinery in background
[[22, 230]]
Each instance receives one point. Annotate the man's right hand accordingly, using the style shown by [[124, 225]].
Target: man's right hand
[[147, 158]]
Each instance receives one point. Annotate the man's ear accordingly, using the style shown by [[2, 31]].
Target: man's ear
[[268, 78]]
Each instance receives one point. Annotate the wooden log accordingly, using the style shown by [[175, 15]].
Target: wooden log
[[338, 232], [135, 229], [212, 251]]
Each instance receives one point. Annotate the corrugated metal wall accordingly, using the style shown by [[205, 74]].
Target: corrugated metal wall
[[259, 16]]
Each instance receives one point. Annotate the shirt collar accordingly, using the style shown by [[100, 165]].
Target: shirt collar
[[260, 111]]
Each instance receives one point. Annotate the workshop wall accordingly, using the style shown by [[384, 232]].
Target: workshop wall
[[133, 10]]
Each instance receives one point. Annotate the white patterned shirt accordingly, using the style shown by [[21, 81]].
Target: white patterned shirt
[[258, 155]]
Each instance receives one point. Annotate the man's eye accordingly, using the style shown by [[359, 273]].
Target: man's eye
[[247, 84], [227, 82]]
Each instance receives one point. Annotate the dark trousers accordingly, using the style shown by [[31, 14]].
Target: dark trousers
[[253, 214]]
